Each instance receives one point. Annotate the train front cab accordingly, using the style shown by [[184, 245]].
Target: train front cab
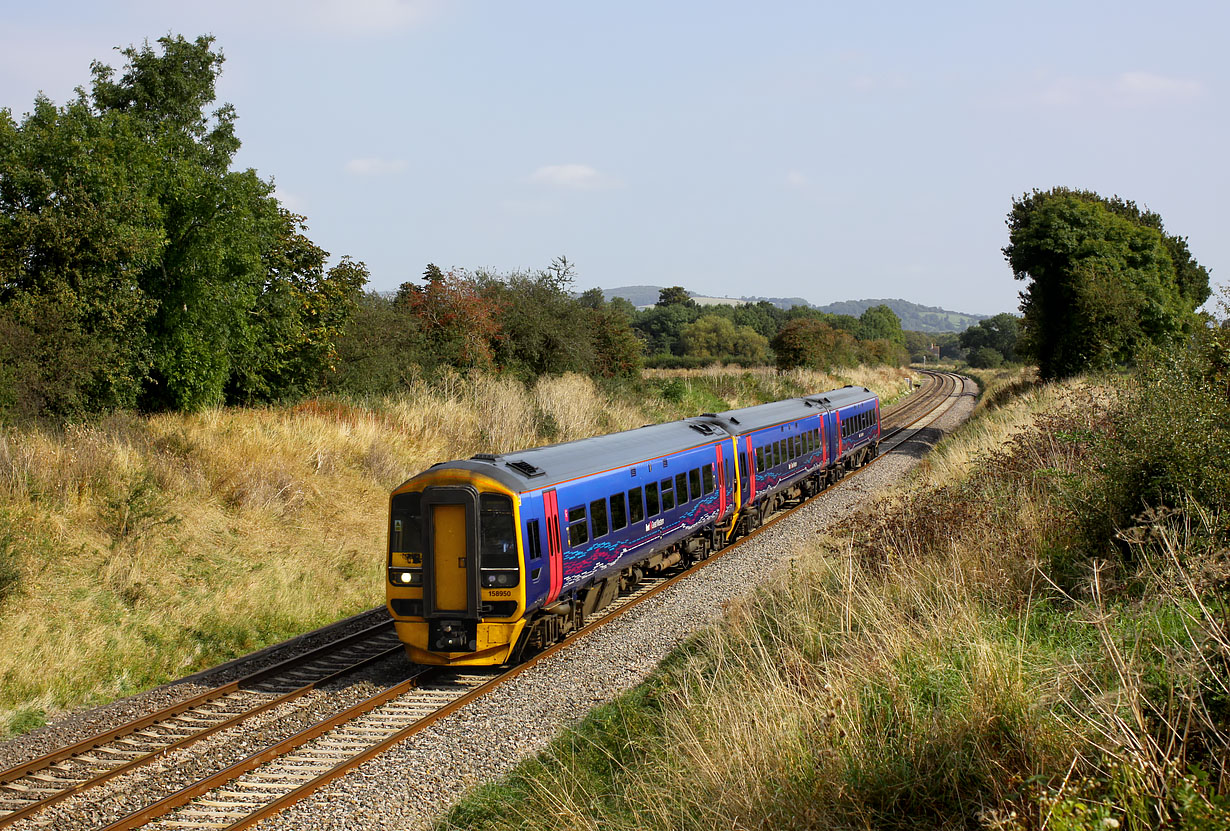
[[455, 585]]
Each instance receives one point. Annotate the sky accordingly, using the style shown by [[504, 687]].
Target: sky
[[830, 151]]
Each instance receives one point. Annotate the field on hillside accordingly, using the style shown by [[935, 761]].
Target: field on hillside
[[136, 550]]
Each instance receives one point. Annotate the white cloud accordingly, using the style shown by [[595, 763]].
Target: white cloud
[[574, 176], [1148, 85], [375, 167], [1128, 89]]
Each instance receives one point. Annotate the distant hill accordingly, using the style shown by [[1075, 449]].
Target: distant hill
[[913, 316], [642, 296]]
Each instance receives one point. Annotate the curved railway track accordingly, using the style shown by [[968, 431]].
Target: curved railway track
[[241, 793]]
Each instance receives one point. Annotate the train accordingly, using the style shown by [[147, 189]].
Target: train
[[500, 555]]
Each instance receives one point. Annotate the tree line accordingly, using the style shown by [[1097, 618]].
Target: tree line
[[140, 269]]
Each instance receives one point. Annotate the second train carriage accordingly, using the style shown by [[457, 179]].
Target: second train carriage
[[491, 555]]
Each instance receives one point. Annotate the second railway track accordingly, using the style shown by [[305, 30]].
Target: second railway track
[[238, 794]]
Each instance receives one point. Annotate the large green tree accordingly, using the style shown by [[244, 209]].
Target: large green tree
[[1103, 280], [126, 236], [880, 323]]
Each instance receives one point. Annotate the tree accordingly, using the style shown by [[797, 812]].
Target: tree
[[985, 357], [715, 337], [179, 280], [661, 327], [593, 299], [808, 342], [457, 320], [761, 316], [880, 323], [1000, 333], [1102, 281], [617, 351], [380, 350], [544, 330], [675, 296], [77, 229]]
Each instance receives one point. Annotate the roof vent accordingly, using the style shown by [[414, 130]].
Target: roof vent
[[734, 420], [702, 428], [483, 457], [526, 469]]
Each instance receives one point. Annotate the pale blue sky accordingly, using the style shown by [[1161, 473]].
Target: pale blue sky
[[823, 150]]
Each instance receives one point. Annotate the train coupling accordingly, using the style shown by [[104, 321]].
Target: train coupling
[[454, 636]]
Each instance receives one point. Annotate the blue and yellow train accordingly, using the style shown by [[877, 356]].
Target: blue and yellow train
[[499, 554]]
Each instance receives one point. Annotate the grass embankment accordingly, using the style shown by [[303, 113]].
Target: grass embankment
[[983, 651], [139, 549]]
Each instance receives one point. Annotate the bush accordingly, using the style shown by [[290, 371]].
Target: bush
[[984, 357], [1167, 446]]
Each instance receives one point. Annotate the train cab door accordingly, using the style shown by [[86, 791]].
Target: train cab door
[[555, 548], [450, 562]]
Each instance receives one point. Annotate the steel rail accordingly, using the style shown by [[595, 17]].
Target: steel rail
[[99, 741], [936, 395]]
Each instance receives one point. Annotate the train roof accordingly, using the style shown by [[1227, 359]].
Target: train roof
[[843, 397], [542, 467], [749, 419]]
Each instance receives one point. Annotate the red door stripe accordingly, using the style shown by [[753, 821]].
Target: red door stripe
[[555, 553]]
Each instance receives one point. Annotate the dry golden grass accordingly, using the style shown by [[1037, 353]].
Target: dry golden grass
[[923, 670], [149, 547]]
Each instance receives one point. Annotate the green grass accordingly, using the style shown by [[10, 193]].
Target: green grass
[[932, 670]]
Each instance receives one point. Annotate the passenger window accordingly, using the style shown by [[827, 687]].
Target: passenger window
[[534, 539], [668, 495], [681, 487], [694, 482], [636, 508], [597, 516], [651, 499], [777, 453], [578, 528], [619, 513], [760, 460], [708, 477]]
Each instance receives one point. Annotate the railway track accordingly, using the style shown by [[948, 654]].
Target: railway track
[[239, 794], [39, 783]]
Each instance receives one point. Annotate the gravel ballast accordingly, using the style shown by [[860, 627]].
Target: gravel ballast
[[410, 786], [413, 784]]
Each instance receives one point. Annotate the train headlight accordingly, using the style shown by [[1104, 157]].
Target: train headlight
[[406, 577]]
